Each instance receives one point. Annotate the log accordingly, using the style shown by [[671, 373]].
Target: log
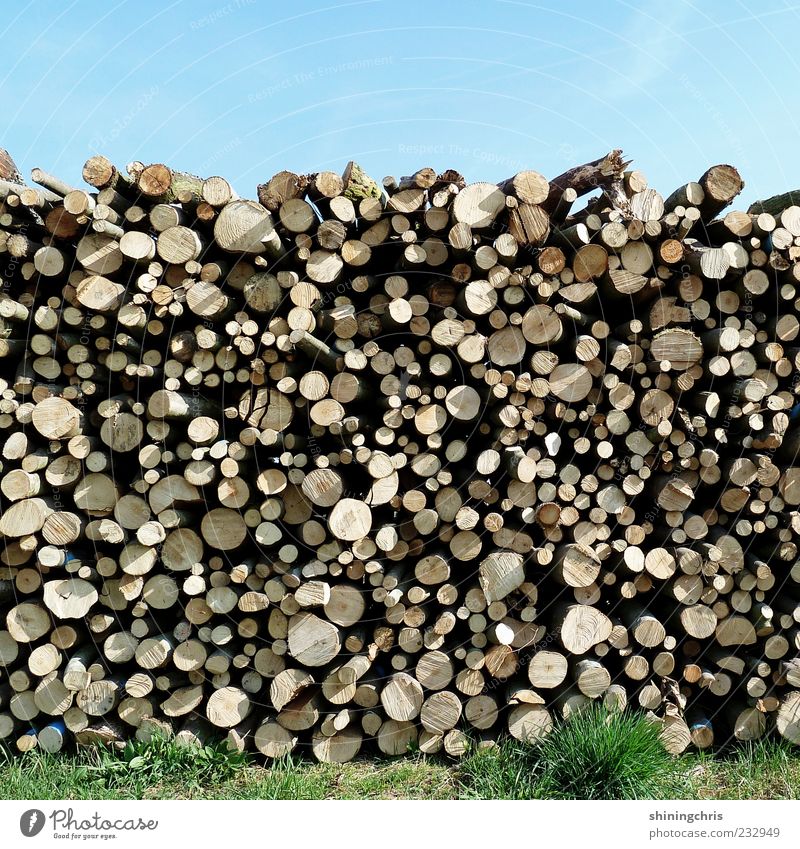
[[274, 741], [478, 205], [601, 172], [227, 707], [582, 627], [720, 185], [70, 598], [787, 719], [313, 641], [529, 722], [246, 227], [402, 697], [338, 748], [350, 519]]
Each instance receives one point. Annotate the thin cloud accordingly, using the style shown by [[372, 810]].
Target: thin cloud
[[650, 46]]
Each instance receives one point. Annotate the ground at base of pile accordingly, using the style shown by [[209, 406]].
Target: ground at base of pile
[[765, 770]]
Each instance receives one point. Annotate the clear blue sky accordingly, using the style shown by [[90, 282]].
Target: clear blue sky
[[245, 88]]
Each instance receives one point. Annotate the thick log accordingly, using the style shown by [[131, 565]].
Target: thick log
[[720, 184], [603, 172]]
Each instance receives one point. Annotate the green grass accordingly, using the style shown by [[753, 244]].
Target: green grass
[[756, 770], [128, 774], [163, 769], [594, 756], [409, 778]]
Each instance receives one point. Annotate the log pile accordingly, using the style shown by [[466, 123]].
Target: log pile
[[360, 466]]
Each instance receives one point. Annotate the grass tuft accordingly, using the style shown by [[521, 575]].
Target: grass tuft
[[596, 755]]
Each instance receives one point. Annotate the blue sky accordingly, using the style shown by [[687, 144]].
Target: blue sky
[[245, 88]]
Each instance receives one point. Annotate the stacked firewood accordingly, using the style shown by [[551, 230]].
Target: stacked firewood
[[364, 466]]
